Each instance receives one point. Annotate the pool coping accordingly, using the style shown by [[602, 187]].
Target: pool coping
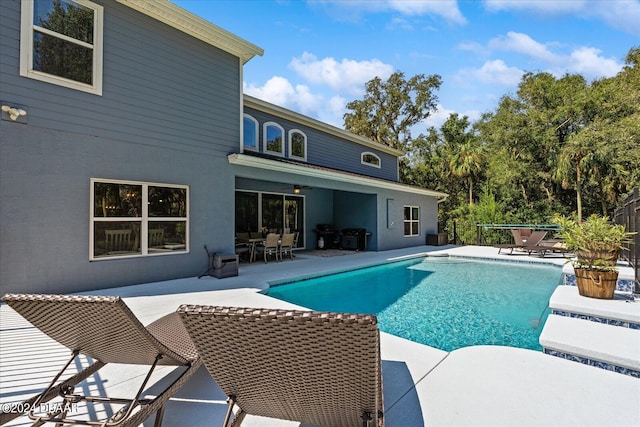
[[456, 388]]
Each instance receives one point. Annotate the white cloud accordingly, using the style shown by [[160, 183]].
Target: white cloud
[[345, 77], [522, 43], [491, 72], [474, 47], [332, 112], [583, 60], [447, 9], [400, 23], [543, 6], [588, 62], [620, 14], [624, 15], [437, 118], [279, 91]]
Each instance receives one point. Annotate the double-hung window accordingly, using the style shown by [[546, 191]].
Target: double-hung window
[[130, 218], [61, 43], [411, 221]]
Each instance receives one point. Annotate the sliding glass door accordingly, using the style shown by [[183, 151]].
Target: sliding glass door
[[270, 212], [246, 212]]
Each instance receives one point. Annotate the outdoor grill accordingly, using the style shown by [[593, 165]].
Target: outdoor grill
[[328, 236], [355, 239]]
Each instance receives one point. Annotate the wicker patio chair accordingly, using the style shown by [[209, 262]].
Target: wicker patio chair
[[104, 329], [311, 367], [286, 245]]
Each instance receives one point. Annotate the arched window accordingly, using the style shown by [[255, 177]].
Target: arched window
[[297, 145], [370, 159], [250, 133], [273, 139]]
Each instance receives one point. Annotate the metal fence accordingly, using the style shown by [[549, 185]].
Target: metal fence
[[471, 233], [629, 215]]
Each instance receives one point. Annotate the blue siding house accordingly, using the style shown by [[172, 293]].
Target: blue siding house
[[126, 146]]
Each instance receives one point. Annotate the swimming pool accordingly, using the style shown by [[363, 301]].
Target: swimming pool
[[443, 302]]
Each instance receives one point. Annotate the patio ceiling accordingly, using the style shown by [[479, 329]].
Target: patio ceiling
[[334, 178]]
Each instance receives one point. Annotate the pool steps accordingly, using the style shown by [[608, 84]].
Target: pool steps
[[601, 333]]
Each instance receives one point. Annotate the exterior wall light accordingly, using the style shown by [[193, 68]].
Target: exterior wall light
[[13, 112], [296, 189]]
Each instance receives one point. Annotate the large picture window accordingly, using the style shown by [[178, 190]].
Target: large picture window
[[411, 221], [61, 43], [137, 219]]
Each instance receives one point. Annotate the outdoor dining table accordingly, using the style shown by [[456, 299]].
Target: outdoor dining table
[[253, 243]]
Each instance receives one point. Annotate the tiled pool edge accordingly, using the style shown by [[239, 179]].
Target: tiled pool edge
[[597, 319], [615, 315], [595, 363], [623, 285]]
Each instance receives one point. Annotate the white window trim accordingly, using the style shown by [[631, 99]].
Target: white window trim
[[144, 219], [26, 49], [264, 139], [290, 142], [365, 153], [256, 139], [411, 221]]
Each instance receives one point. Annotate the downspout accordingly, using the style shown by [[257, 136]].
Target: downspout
[[241, 106]]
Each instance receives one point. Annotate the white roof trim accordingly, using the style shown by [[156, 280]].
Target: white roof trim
[[277, 166], [259, 104], [180, 19]]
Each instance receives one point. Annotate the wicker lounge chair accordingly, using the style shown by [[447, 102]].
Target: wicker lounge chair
[[533, 240], [546, 248], [310, 367], [104, 329]]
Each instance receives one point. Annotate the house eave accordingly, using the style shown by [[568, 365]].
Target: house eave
[[266, 107], [185, 21], [331, 175]]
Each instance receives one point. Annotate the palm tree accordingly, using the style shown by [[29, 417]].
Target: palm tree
[[466, 163], [577, 159]]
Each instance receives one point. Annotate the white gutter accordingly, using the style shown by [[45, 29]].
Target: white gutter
[[273, 165]]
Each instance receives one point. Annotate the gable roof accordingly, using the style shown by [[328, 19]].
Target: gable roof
[[180, 19], [258, 104]]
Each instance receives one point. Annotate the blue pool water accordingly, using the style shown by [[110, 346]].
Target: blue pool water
[[447, 303]]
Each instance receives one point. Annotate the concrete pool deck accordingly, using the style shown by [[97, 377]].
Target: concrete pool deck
[[479, 386]]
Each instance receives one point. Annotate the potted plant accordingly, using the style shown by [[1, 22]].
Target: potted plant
[[596, 244]]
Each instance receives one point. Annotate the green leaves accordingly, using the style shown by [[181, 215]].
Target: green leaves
[[560, 144], [389, 109], [596, 241]]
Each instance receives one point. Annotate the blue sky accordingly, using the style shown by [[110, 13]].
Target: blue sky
[[320, 53]]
